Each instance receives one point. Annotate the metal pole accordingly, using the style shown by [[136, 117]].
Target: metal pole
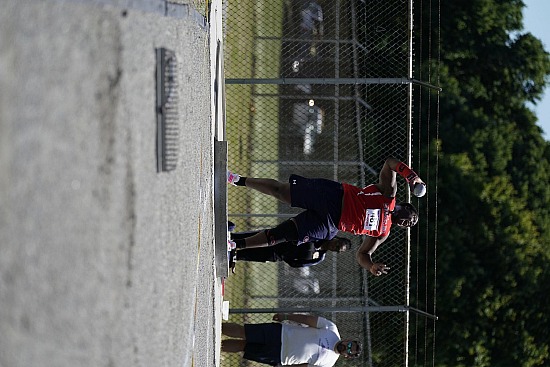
[[362, 165], [409, 158], [401, 308], [423, 313], [274, 215], [335, 81], [336, 117], [316, 97]]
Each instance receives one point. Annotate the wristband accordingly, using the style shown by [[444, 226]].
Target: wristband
[[405, 172]]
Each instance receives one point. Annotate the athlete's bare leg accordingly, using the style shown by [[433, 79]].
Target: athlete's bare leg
[[268, 186]]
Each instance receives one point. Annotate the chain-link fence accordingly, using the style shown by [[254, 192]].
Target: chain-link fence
[[320, 88]]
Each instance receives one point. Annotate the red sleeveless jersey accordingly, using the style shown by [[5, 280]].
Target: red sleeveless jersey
[[366, 211]]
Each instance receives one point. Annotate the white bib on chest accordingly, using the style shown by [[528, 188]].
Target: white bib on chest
[[372, 219]]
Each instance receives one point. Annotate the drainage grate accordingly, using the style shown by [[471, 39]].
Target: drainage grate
[[167, 110]]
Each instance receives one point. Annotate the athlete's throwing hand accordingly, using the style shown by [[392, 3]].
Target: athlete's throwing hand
[[378, 269]]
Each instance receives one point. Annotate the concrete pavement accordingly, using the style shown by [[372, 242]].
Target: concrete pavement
[[103, 260]]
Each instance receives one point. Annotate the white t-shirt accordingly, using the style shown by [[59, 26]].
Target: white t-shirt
[[315, 346]]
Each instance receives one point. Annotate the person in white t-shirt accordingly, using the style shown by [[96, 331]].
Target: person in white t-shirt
[[316, 342]]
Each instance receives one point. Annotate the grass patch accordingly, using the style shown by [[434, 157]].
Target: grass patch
[[252, 134]]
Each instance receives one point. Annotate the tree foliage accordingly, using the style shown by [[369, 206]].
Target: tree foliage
[[494, 193]]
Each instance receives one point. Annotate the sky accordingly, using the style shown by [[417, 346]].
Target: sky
[[535, 21]]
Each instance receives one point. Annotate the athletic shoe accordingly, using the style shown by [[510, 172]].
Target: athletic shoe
[[232, 178]]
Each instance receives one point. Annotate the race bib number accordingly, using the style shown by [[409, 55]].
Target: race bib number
[[372, 219]]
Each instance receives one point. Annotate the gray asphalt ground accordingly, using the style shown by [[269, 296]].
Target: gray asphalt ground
[[103, 261]]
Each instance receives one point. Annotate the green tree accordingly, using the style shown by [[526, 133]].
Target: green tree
[[494, 192]]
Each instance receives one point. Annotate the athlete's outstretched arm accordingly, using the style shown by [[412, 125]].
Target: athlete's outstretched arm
[[387, 183], [364, 255]]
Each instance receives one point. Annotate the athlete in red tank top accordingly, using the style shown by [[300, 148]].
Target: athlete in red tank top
[[366, 211]]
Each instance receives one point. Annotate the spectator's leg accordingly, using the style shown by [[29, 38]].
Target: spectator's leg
[[260, 254], [233, 330], [233, 345], [284, 232]]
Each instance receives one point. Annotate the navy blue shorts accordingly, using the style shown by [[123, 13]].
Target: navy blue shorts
[[322, 200], [263, 343]]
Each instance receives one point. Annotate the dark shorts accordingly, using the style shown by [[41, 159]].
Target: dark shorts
[[263, 343], [322, 200]]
